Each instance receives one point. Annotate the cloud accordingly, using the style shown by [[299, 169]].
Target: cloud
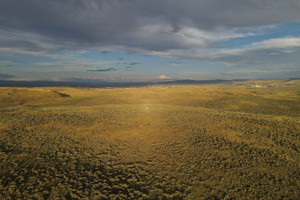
[[48, 64], [135, 25], [129, 68], [6, 76], [6, 65], [102, 70], [261, 52], [175, 63], [255, 53], [164, 77], [72, 62], [277, 43], [191, 29]]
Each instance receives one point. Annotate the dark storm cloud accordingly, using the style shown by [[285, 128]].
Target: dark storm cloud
[[133, 25], [6, 76], [102, 70]]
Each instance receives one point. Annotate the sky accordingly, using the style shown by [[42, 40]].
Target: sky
[[149, 40]]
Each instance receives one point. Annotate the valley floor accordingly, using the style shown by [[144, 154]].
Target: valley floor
[[232, 141]]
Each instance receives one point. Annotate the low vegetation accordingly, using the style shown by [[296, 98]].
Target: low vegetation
[[234, 141]]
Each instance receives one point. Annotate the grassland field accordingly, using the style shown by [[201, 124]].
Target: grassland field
[[239, 140]]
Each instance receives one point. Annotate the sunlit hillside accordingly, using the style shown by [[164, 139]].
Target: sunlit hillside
[[221, 141]]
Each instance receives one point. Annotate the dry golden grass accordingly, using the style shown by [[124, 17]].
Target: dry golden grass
[[233, 141]]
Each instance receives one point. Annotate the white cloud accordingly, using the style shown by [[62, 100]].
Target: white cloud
[[245, 55], [164, 77], [161, 36], [284, 45], [277, 43]]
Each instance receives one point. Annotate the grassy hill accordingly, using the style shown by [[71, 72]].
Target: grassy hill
[[237, 140]]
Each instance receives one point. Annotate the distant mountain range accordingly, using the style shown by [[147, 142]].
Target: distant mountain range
[[80, 83]]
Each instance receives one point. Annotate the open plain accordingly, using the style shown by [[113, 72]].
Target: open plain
[[237, 140]]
